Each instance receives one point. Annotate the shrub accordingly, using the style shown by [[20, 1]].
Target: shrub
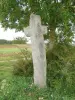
[[19, 40], [61, 67], [23, 65]]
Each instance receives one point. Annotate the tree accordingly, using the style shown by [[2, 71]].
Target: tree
[[56, 14], [19, 40], [3, 41]]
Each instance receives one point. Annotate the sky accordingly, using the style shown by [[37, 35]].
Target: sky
[[10, 34]]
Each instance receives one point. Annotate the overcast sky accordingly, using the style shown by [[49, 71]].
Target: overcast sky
[[9, 34]]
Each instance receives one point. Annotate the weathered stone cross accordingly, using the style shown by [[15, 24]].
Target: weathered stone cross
[[35, 30]]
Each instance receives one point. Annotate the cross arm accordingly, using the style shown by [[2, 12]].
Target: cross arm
[[27, 31], [44, 29]]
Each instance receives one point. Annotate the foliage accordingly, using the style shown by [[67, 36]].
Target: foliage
[[54, 13], [22, 88], [61, 67], [3, 41], [23, 65], [16, 87], [19, 40]]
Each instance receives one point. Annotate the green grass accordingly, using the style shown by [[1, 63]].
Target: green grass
[[9, 50], [7, 58], [8, 53], [21, 87], [14, 87], [5, 70]]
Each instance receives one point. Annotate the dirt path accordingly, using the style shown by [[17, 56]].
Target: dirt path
[[9, 60], [15, 46]]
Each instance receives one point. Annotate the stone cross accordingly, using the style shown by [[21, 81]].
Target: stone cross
[[35, 30]]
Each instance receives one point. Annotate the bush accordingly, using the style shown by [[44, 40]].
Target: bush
[[19, 40], [23, 65], [61, 67]]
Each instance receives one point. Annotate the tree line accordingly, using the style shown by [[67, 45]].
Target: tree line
[[18, 40]]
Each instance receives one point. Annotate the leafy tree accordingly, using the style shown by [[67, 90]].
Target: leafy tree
[[19, 40], [3, 41], [56, 14]]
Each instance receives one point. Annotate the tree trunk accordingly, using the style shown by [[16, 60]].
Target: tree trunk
[[52, 38]]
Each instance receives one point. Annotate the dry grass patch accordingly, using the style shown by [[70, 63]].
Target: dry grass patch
[[15, 46]]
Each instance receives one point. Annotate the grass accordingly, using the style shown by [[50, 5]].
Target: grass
[[7, 52], [18, 87], [21, 88], [7, 58]]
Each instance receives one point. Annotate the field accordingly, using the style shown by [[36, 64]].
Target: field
[[20, 87], [7, 52]]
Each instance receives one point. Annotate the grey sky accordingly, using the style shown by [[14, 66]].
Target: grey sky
[[9, 34]]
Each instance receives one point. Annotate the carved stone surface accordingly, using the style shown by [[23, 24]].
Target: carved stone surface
[[35, 30]]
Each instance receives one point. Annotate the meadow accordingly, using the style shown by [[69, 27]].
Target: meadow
[[7, 52], [20, 87]]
